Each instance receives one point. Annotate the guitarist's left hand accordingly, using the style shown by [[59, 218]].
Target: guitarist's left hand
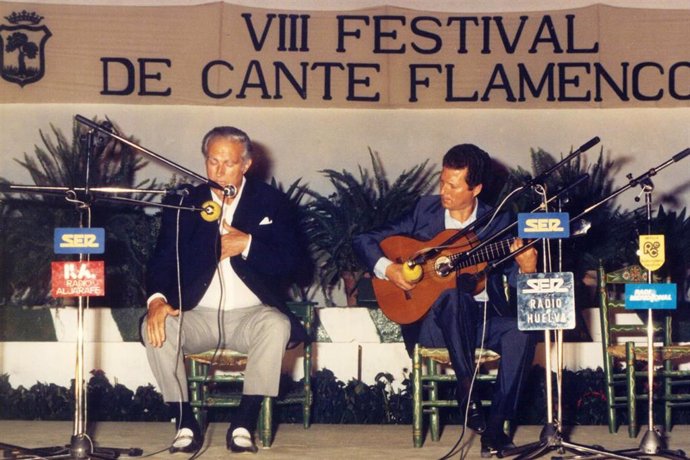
[[527, 259], [394, 273]]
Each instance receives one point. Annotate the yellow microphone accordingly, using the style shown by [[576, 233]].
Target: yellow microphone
[[412, 272], [210, 211]]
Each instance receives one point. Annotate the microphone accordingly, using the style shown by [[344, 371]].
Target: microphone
[[681, 155], [210, 211], [230, 191], [583, 148], [412, 272]]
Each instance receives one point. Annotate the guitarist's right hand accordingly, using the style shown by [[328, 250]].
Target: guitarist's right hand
[[394, 273]]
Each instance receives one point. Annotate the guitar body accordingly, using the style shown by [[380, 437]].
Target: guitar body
[[405, 307]]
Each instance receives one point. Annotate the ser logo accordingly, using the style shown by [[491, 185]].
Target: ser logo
[[544, 225], [79, 240], [545, 286], [22, 48]]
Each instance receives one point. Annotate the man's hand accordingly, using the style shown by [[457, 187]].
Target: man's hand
[[233, 242], [155, 321], [394, 273], [527, 259]]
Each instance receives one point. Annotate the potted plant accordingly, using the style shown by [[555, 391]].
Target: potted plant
[[359, 203]]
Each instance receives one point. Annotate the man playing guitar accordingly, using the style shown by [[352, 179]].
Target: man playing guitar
[[454, 320]]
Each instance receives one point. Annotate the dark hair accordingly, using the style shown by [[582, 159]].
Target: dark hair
[[468, 156], [231, 133]]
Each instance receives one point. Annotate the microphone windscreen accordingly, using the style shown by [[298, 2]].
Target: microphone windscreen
[[211, 211]]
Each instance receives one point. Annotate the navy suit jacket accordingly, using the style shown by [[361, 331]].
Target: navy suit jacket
[[423, 223], [276, 252]]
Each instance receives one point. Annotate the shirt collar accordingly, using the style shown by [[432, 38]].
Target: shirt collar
[[454, 223]]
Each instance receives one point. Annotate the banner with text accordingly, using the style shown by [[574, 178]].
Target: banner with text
[[384, 57]]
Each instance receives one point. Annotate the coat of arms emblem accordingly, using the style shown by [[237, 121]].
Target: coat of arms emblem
[[22, 42]]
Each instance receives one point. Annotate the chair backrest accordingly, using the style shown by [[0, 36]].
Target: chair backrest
[[619, 325]]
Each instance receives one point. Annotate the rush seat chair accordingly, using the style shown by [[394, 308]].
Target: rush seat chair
[[206, 389], [625, 354], [427, 375]]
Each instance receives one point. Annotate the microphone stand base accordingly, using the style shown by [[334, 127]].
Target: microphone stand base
[[80, 448], [551, 439], [653, 444]]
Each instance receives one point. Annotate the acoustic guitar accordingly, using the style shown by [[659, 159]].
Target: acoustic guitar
[[439, 266]]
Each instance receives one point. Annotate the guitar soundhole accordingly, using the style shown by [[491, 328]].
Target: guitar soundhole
[[442, 266]]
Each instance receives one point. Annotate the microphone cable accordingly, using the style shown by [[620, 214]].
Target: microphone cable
[[464, 450], [178, 336], [219, 318]]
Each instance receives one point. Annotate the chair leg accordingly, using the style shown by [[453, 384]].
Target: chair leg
[[668, 391], [610, 393], [631, 392], [416, 398], [434, 417], [308, 395], [266, 421], [198, 390]]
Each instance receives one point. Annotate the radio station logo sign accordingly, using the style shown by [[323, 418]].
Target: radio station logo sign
[[75, 279], [543, 225], [22, 48], [659, 296], [652, 251], [79, 241], [546, 301]]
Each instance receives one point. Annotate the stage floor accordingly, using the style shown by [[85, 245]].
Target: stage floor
[[319, 442]]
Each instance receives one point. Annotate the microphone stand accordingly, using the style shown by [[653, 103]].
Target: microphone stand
[[652, 443], [81, 445], [551, 437], [229, 190]]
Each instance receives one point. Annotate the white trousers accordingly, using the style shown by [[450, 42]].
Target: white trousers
[[261, 332]]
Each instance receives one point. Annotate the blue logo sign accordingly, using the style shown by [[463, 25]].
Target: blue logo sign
[[658, 296], [543, 225], [79, 241]]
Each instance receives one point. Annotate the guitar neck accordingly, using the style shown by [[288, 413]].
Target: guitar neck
[[491, 251]]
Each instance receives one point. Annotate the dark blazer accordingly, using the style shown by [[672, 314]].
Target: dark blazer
[[423, 223], [276, 252]]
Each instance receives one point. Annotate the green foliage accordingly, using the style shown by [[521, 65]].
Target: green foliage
[[28, 219], [360, 203], [335, 402], [105, 401]]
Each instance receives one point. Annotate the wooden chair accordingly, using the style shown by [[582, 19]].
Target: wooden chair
[[205, 391], [624, 347], [427, 375]]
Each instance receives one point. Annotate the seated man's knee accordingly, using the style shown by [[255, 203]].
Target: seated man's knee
[[275, 323]]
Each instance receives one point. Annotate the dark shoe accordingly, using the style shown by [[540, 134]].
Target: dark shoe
[[475, 417], [186, 442], [494, 443], [239, 440]]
